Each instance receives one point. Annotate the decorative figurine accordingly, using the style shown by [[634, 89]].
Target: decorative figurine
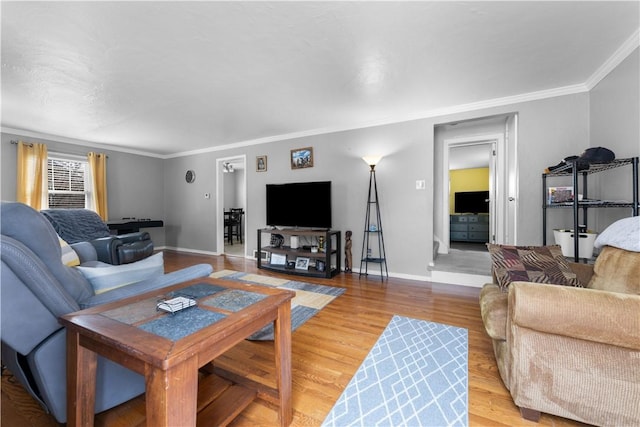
[[347, 252]]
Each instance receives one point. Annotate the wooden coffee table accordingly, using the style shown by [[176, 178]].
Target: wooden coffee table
[[169, 349]]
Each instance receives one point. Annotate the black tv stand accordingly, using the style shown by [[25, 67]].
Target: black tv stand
[[331, 256]]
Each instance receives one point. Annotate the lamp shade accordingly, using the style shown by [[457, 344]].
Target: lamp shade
[[372, 160]]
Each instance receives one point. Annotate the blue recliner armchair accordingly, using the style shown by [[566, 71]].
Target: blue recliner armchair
[[84, 225], [37, 288]]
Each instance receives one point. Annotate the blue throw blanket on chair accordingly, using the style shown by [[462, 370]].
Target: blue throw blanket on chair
[[76, 225]]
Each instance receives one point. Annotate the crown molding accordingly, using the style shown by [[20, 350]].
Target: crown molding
[[618, 56], [614, 60], [455, 109], [73, 141]]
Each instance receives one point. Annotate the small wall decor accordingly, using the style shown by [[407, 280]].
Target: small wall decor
[[261, 163], [190, 176], [302, 158]]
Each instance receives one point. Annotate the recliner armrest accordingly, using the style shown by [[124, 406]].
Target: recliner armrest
[[107, 249], [134, 251], [134, 237], [580, 313]]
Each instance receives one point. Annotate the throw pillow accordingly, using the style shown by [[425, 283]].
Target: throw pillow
[[539, 264], [69, 257], [623, 234], [105, 277]]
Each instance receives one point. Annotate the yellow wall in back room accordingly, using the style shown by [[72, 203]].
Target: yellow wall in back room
[[476, 179]]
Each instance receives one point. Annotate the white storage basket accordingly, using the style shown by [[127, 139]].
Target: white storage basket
[[564, 238]]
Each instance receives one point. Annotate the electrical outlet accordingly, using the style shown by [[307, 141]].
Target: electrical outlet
[[420, 184]]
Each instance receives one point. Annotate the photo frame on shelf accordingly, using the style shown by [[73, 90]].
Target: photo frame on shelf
[[302, 263], [278, 259], [261, 163], [560, 195], [302, 158]]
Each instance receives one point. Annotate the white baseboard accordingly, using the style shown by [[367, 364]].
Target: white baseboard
[[187, 250], [463, 279]]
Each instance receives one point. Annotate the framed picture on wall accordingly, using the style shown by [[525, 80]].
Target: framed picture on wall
[[261, 163], [302, 158]]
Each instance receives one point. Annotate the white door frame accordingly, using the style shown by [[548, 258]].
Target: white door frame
[[220, 201], [498, 209]]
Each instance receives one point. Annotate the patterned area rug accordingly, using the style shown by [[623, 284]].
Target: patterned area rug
[[309, 300], [415, 375]]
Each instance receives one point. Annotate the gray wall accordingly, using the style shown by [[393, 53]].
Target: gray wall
[[548, 131], [614, 124], [337, 157], [134, 183]]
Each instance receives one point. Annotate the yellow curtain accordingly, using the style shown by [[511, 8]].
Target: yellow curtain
[[32, 188], [98, 166]]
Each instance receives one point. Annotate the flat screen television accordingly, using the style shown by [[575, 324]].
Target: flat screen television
[[299, 204], [471, 202]]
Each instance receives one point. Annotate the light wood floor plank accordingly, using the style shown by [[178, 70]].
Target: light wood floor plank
[[327, 351]]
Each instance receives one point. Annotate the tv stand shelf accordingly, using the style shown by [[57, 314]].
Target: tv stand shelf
[[330, 257]]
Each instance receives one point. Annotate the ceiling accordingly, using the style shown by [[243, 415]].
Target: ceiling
[[171, 78]]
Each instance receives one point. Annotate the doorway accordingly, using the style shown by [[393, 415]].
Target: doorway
[[487, 145], [231, 201]]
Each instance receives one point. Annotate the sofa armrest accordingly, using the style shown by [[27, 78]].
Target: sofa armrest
[[580, 313], [173, 278], [107, 249], [493, 308]]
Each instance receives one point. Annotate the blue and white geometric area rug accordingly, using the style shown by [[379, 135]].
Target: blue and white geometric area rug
[[415, 375]]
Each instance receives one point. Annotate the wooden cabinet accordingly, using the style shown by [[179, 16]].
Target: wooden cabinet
[[469, 228], [306, 261]]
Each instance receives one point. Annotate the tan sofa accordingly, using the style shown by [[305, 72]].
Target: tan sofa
[[572, 352]]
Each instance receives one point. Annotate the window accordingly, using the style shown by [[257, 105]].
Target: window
[[67, 187]]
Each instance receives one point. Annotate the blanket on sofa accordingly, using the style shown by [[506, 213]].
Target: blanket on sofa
[[76, 225]]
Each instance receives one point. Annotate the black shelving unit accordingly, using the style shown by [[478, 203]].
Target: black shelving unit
[[329, 255], [373, 233], [584, 205]]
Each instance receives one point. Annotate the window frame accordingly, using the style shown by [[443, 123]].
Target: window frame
[[51, 191]]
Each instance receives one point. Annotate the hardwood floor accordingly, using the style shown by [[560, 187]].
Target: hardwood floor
[[326, 352]]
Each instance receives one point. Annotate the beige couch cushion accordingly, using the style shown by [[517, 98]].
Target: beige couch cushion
[[616, 270]]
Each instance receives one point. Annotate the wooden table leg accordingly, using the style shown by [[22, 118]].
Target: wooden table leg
[[282, 342], [81, 382], [172, 395]]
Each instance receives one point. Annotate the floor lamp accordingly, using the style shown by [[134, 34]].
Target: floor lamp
[[373, 230]]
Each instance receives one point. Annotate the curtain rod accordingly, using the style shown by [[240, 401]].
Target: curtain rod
[[14, 142]]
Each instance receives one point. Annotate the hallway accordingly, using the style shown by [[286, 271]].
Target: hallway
[[466, 264]]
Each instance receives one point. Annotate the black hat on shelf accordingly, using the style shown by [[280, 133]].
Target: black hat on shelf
[[581, 164], [597, 155]]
